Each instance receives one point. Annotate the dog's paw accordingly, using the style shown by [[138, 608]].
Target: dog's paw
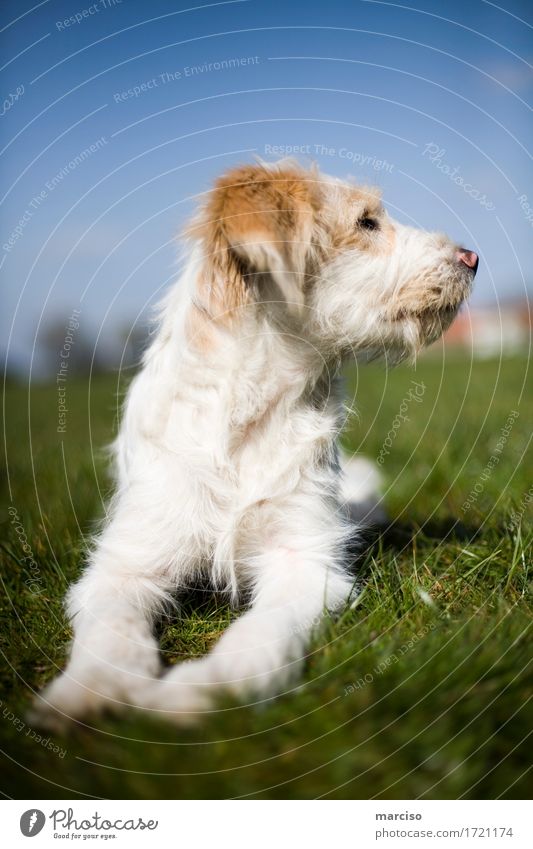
[[75, 697], [63, 702], [183, 696]]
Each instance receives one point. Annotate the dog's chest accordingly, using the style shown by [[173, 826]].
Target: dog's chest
[[249, 446]]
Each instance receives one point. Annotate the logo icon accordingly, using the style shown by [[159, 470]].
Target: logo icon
[[32, 822]]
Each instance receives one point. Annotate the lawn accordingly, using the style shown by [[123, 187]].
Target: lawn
[[422, 689]]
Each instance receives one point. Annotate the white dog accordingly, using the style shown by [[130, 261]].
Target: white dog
[[226, 460]]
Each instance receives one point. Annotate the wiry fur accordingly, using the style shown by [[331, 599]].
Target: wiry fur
[[226, 460]]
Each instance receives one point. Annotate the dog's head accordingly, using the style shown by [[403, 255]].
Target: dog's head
[[323, 259]]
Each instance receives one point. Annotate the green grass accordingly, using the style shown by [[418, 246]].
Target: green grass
[[421, 690]]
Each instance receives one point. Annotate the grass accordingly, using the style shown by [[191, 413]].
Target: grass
[[422, 690]]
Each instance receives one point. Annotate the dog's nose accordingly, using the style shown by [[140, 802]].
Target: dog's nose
[[468, 258]]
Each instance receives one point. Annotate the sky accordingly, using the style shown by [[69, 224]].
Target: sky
[[117, 116]]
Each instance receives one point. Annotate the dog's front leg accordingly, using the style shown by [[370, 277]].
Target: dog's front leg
[[114, 655], [260, 653]]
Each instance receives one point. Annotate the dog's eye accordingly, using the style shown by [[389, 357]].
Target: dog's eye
[[368, 223]]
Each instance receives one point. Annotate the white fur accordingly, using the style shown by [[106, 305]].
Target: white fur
[[226, 468]]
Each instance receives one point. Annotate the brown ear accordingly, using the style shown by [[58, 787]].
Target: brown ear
[[256, 219]]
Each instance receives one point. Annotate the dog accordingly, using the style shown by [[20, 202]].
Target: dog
[[226, 460]]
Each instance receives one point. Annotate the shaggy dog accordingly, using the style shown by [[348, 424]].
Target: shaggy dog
[[226, 459]]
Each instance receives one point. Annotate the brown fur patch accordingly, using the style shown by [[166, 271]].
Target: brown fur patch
[[252, 216], [199, 330]]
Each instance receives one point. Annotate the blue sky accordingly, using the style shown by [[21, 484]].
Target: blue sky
[[413, 98]]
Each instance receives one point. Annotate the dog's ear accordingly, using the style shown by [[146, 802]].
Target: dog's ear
[[257, 219]]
